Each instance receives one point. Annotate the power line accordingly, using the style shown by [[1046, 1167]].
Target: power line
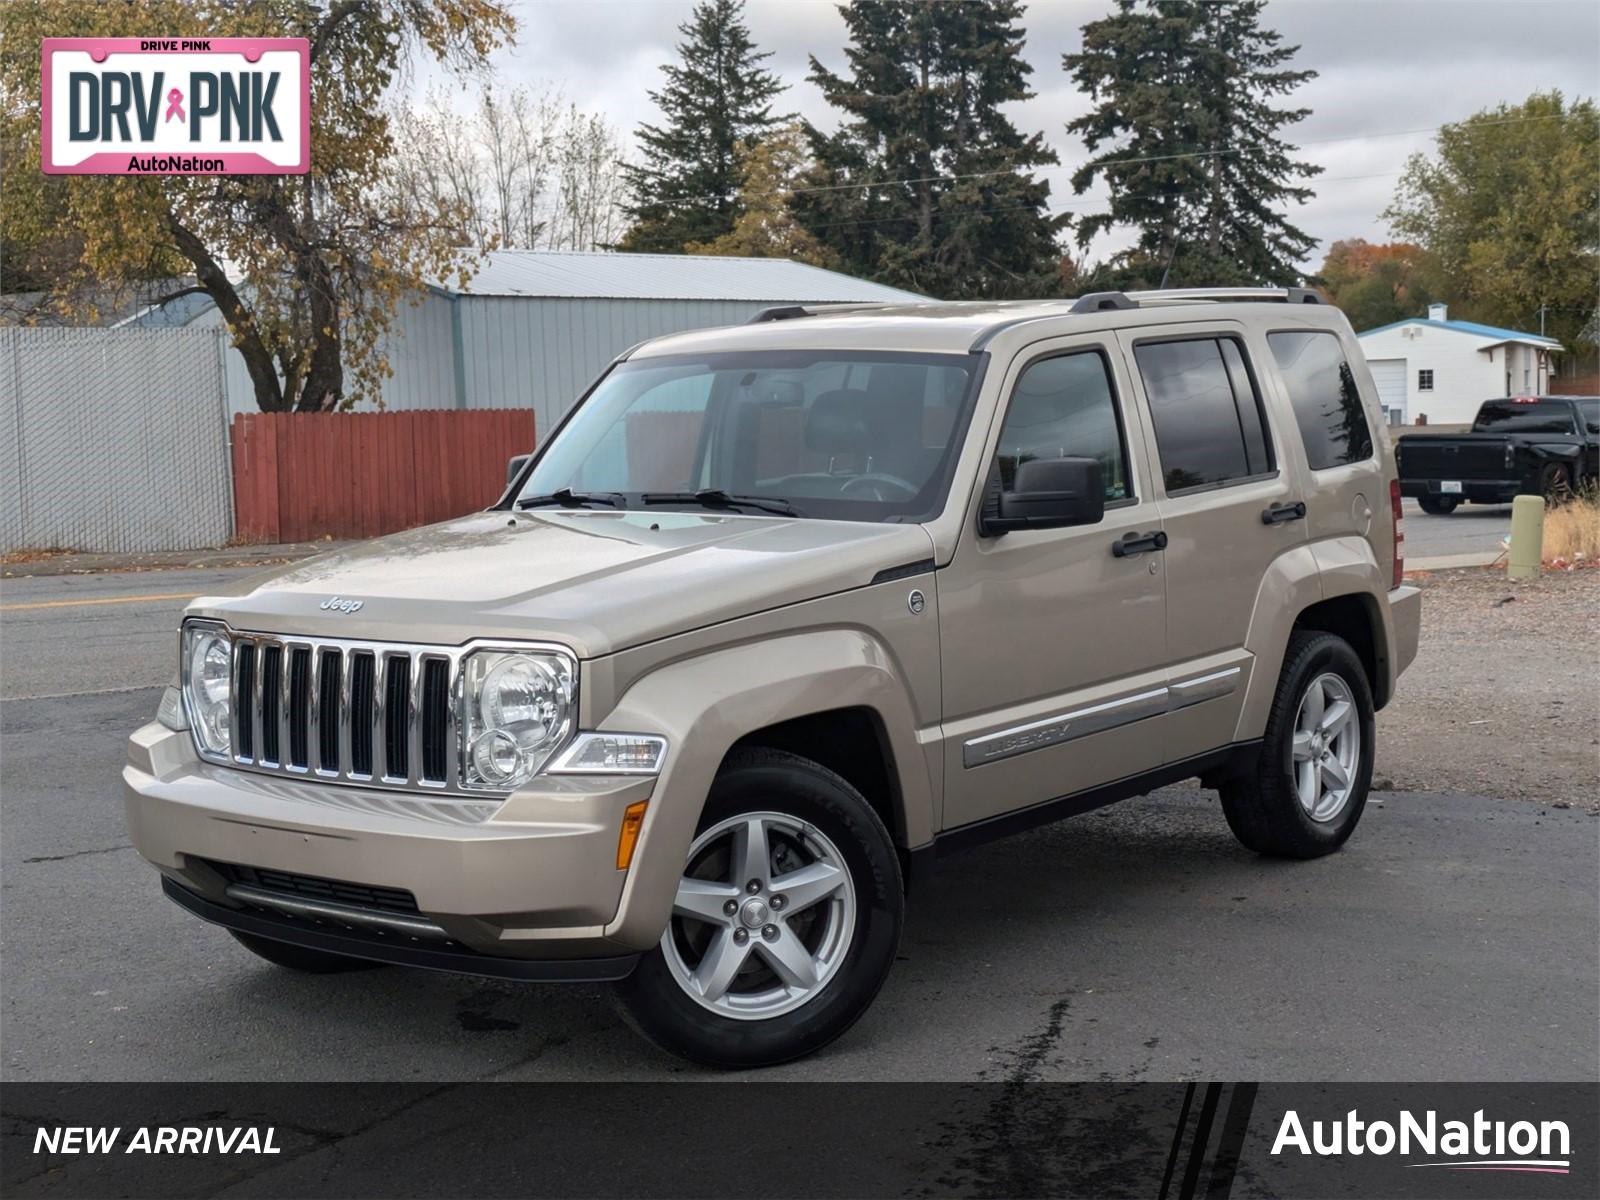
[[1353, 137], [1080, 204]]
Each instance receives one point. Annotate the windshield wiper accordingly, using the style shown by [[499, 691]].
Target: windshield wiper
[[567, 498], [717, 498]]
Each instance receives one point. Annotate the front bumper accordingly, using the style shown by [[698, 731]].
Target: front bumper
[[530, 877], [402, 953]]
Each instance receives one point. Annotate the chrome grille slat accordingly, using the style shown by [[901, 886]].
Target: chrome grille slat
[[285, 652], [413, 739], [343, 704]]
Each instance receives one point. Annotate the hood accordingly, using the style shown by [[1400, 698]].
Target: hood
[[592, 580]]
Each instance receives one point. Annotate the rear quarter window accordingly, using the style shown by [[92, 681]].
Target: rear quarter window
[[1323, 393]]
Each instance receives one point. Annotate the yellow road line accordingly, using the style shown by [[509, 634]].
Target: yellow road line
[[98, 600]]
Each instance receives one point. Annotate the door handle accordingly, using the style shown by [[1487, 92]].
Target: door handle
[[1139, 543], [1277, 514]]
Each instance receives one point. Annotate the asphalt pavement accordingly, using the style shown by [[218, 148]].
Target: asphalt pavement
[[1471, 529], [1454, 938]]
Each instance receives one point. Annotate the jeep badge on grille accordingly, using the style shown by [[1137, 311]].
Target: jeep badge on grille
[[340, 604]]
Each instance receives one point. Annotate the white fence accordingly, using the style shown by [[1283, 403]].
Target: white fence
[[113, 440]]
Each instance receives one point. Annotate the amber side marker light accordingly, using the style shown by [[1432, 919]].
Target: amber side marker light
[[632, 822]]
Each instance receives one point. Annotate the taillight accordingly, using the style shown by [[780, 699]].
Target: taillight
[[1399, 534]]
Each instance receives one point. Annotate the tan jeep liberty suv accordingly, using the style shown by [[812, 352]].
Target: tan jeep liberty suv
[[776, 616]]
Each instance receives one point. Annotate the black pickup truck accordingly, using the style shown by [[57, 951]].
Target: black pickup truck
[[1522, 446]]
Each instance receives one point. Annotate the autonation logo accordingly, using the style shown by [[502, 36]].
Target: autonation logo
[[1476, 1145]]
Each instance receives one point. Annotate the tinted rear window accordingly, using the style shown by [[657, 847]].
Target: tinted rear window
[[1207, 416], [1327, 403], [1511, 416]]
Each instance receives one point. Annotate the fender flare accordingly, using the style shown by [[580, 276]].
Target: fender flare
[[691, 703]]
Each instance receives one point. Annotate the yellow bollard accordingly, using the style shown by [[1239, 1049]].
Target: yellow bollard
[[1527, 537]]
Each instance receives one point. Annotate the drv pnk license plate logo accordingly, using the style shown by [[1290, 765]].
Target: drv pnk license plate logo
[[176, 106]]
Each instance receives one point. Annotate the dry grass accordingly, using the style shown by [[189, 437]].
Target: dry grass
[[1572, 532]]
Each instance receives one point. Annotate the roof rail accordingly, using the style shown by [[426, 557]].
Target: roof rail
[[790, 312], [1269, 295]]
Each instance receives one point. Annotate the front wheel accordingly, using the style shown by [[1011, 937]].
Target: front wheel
[[1555, 483], [785, 923], [1438, 506], [1310, 784]]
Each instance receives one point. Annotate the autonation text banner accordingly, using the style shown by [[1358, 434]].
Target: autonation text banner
[[1175, 1141]]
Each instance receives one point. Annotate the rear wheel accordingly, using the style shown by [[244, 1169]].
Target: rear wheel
[[785, 923], [1438, 506], [301, 958], [1309, 786]]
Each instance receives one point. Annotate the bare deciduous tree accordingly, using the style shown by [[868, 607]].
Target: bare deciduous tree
[[531, 170]]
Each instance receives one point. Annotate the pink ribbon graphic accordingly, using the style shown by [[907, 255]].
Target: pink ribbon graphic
[[175, 105]]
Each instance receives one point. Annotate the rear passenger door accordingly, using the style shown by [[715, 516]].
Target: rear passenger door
[[1230, 504]]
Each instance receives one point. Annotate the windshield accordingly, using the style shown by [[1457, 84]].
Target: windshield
[[840, 435], [1524, 416]]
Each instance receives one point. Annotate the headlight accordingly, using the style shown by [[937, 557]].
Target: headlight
[[520, 709], [208, 686]]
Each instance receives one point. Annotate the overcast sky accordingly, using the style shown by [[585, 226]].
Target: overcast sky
[[1389, 71]]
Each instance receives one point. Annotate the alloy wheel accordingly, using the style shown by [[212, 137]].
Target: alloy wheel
[[763, 916], [1326, 749]]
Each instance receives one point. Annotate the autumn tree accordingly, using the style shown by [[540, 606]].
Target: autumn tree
[[927, 184], [769, 172], [1377, 284], [1509, 204], [716, 96], [307, 270], [1186, 135]]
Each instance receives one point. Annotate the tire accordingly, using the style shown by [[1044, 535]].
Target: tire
[[1437, 506], [1555, 483], [847, 927], [1266, 809], [301, 958]]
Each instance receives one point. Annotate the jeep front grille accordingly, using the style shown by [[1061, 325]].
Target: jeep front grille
[[373, 713]]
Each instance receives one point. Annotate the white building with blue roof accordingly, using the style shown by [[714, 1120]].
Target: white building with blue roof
[[1441, 370]]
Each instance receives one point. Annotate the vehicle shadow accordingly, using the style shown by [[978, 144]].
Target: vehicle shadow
[[1030, 898]]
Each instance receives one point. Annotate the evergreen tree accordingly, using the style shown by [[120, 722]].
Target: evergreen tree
[[1186, 96], [718, 96], [927, 184]]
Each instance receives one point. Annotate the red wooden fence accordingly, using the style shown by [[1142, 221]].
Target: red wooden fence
[[302, 476]]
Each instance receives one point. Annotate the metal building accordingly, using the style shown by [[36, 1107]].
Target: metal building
[[533, 328]]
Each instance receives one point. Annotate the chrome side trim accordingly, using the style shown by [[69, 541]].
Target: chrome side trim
[[1205, 687], [1097, 718], [343, 914], [1051, 731]]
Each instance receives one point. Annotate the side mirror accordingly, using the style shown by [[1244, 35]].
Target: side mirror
[[514, 467], [1048, 493]]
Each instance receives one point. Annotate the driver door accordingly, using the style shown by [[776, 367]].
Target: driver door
[[1053, 646]]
